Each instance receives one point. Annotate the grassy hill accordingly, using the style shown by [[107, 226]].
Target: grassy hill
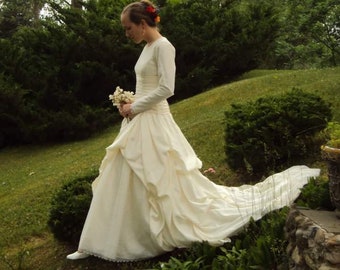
[[30, 175]]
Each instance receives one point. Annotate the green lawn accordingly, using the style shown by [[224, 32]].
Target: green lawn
[[30, 175]]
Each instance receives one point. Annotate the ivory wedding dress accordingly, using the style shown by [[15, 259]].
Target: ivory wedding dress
[[150, 196]]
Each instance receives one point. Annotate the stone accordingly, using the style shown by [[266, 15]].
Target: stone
[[296, 257], [327, 267], [299, 219], [310, 262], [333, 241], [311, 243], [290, 248], [333, 257], [320, 236], [313, 240], [299, 232]]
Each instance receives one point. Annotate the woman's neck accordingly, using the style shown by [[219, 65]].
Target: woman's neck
[[154, 35]]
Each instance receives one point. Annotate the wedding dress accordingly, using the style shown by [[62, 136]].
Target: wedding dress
[[150, 196]]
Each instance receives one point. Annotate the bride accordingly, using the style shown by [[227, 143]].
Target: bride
[[150, 196]]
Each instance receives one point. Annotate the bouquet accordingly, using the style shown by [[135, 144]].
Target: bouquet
[[120, 97]]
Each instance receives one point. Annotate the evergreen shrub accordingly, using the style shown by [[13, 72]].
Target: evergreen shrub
[[67, 126], [12, 107], [315, 195], [69, 208], [261, 245], [275, 131]]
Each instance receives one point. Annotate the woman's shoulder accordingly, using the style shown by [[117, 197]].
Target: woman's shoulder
[[163, 42]]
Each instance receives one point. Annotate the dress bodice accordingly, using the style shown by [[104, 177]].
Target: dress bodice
[[155, 77], [145, 85]]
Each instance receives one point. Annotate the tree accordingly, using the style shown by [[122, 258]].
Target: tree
[[76, 4], [310, 35], [16, 13], [323, 24], [64, 65], [66, 71], [217, 41]]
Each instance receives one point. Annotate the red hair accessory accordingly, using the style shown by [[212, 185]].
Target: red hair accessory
[[153, 13]]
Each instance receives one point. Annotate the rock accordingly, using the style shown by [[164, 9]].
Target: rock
[[333, 257]]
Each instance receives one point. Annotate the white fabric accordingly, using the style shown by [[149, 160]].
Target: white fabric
[[150, 196], [155, 71]]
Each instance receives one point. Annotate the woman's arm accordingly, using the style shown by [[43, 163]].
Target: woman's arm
[[165, 58]]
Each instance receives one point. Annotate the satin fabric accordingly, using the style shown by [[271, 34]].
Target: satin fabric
[[150, 196]]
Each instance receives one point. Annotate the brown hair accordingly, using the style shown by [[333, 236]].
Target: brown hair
[[143, 10]]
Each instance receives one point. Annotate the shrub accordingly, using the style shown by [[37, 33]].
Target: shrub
[[69, 209], [261, 245], [222, 48], [66, 126], [14, 112], [176, 264], [332, 133], [25, 121], [315, 195], [274, 131]]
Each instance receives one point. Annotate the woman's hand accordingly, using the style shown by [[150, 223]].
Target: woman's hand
[[125, 110]]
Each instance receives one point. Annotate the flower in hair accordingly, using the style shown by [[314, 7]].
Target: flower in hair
[[153, 13], [150, 9]]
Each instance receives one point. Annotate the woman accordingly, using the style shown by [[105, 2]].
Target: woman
[[150, 196]]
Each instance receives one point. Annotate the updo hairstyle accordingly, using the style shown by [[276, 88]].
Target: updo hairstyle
[[143, 10]]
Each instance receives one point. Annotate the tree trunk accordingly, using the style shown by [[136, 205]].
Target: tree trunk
[[37, 5], [76, 4]]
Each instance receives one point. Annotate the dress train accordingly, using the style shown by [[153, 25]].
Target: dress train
[[150, 196]]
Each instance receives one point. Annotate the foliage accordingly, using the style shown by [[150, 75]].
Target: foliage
[[315, 195], [27, 122], [64, 59], [68, 62], [231, 259], [176, 264], [333, 134], [265, 241], [61, 76], [11, 98], [217, 41], [310, 35], [69, 209], [17, 13], [31, 174], [202, 250], [261, 245], [274, 131]]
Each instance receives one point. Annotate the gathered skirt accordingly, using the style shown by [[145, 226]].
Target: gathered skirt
[[151, 197]]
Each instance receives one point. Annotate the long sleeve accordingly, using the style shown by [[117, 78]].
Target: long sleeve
[[164, 56]]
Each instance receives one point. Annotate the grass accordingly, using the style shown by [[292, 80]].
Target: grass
[[30, 175]]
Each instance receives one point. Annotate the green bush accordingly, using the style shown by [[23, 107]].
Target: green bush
[[12, 104], [275, 131], [176, 264], [66, 126], [265, 241], [25, 121], [69, 209], [332, 133], [261, 245], [227, 38], [315, 195]]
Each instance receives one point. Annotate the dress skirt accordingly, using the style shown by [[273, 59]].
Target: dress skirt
[[151, 197]]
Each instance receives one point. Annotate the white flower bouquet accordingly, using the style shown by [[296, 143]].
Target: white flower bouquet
[[120, 97]]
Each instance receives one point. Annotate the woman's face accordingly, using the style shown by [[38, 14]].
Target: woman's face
[[132, 30]]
